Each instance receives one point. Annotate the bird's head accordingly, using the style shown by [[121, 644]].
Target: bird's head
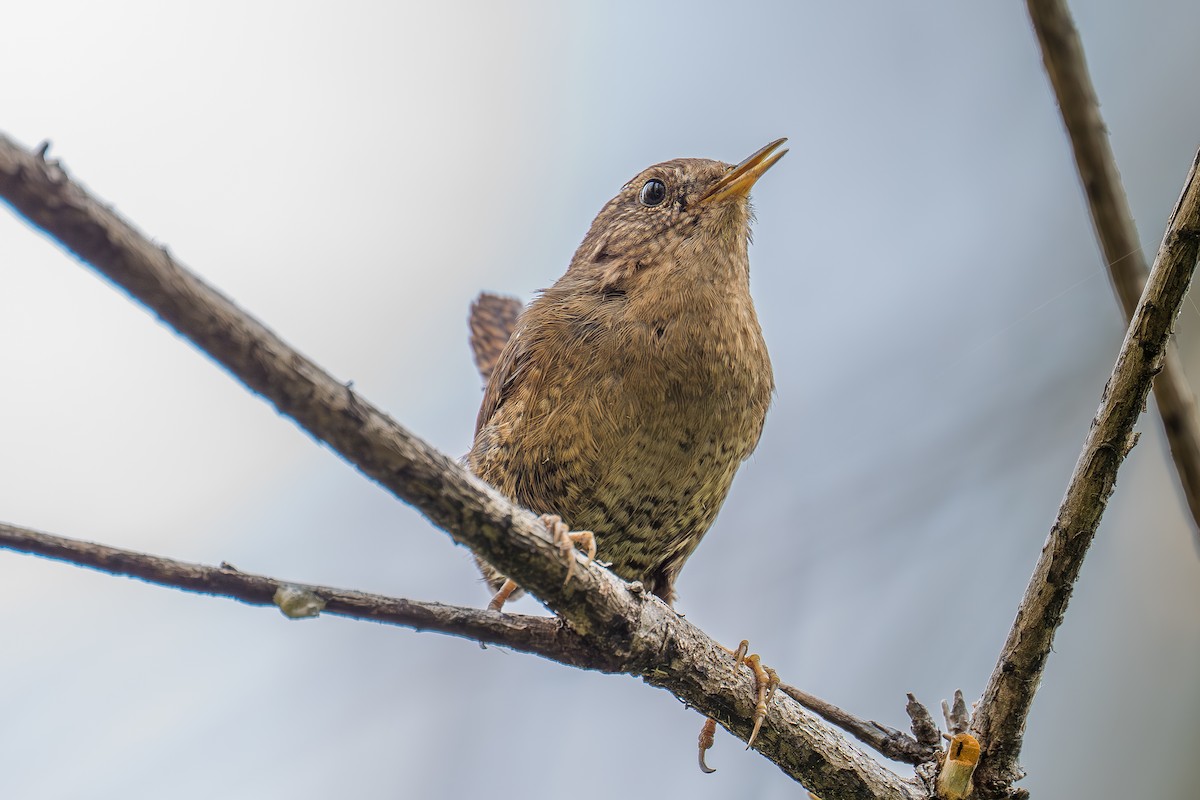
[[689, 211]]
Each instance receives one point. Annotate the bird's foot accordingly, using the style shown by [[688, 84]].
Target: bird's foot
[[501, 596], [706, 742], [765, 684], [766, 681], [567, 541]]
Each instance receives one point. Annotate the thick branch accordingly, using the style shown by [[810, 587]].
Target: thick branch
[[663, 648], [1062, 52], [542, 636], [1000, 718]]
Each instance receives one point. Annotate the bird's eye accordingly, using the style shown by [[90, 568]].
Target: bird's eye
[[653, 193]]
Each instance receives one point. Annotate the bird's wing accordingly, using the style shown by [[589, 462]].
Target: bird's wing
[[492, 320]]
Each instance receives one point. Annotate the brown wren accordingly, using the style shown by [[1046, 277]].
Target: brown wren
[[624, 397]]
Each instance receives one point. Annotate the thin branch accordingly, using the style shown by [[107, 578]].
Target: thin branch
[[1000, 718], [888, 741], [547, 637], [658, 645], [1062, 52], [542, 636], [924, 729]]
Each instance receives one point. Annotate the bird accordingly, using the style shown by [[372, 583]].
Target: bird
[[621, 401]]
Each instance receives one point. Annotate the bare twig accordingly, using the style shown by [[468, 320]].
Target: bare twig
[[958, 719], [999, 721], [924, 729], [542, 636], [1062, 52], [656, 644], [894, 744]]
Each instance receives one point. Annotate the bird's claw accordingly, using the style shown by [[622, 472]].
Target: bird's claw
[[502, 594], [706, 742], [568, 540], [766, 681]]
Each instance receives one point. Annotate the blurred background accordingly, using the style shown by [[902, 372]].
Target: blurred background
[[939, 318]]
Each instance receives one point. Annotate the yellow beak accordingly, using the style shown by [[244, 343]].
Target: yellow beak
[[739, 179]]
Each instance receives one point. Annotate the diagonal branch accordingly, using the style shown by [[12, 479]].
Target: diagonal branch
[[658, 645], [1062, 52], [1000, 718]]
